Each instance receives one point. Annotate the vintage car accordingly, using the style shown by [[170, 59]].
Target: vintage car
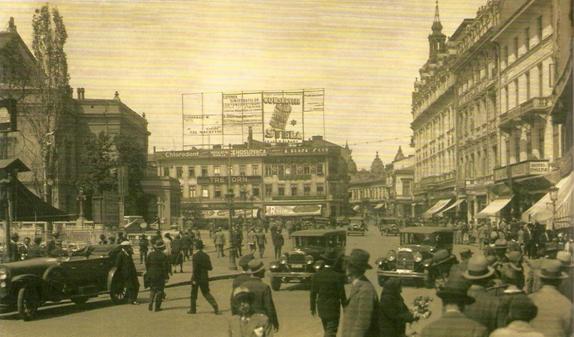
[[424, 254], [26, 285], [356, 226], [308, 246], [389, 226]]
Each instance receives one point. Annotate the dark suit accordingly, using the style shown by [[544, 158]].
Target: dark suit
[[262, 299], [157, 271], [394, 314], [327, 297], [454, 324], [128, 273], [237, 281], [486, 308], [201, 264], [361, 312]]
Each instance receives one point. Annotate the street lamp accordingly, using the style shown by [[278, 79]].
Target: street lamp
[[229, 197], [553, 191]]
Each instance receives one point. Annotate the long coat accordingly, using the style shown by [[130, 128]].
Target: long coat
[[262, 299], [201, 265], [454, 324], [555, 312], [328, 293], [486, 308], [361, 312], [394, 313], [126, 266], [157, 268], [237, 281]]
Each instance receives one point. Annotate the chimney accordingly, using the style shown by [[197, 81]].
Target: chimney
[[11, 26]]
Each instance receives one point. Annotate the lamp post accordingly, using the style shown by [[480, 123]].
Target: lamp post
[[81, 198], [229, 197], [553, 191]]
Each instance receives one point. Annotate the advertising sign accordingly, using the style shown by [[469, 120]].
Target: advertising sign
[[283, 113], [224, 213], [299, 210]]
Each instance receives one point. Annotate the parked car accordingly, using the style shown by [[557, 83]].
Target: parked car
[[389, 226], [299, 264], [424, 254], [89, 272], [357, 226]]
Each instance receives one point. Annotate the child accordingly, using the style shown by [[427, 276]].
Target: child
[[247, 323]]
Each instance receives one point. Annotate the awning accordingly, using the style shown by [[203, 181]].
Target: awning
[[29, 207], [541, 211], [493, 208], [455, 204], [379, 206], [356, 208], [435, 208]]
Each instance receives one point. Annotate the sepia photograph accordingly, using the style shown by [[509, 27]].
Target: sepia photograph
[[286, 168]]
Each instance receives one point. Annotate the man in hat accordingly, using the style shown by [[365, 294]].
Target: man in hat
[[486, 307], [262, 296], [510, 276], [554, 309], [219, 241], [157, 272], [565, 288], [328, 294], [457, 269], [261, 241], [248, 323], [201, 265], [532, 280], [127, 269], [521, 312], [278, 242], [453, 322], [240, 279], [361, 312], [394, 313], [144, 247]]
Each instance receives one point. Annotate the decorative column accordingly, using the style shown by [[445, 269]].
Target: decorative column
[[523, 143], [549, 139], [512, 147], [535, 141], [503, 150]]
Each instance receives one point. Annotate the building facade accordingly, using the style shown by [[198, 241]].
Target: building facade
[[259, 180], [401, 182]]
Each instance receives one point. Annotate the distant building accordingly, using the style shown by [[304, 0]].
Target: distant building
[[401, 181], [261, 180], [368, 191]]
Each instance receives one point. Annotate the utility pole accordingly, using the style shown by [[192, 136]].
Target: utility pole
[[229, 197]]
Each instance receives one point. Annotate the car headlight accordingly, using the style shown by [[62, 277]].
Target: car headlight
[[418, 257], [318, 265], [3, 274], [392, 255], [283, 259], [379, 262], [309, 259], [274, 265]]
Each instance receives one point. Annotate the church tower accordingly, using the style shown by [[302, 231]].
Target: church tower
[[437, 40]]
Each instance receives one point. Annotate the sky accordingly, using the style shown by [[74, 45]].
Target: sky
[[364, 53]]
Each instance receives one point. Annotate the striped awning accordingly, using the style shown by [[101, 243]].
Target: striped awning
[[455, 204], [356, 208], [436, 208], [493, 208], [541, 211], [379, 206]]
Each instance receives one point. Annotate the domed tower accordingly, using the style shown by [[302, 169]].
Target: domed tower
[[437, 40], [377, 167]]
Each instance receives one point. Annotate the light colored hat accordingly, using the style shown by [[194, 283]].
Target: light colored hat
[[255, 266], [564, 257], [478, 268], [551, 270], [125, 243]]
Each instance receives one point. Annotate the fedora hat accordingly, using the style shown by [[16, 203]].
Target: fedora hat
[[509, 273], [466, 254], [478, 268], [125, 243], [500, 244], [565, 258], [242, 293], [514, 260], [255, 266], [551, 270], [244, 261], [199, 244], [441, 257], [359, 258], [455, 289]]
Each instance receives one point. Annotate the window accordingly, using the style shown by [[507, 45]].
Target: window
[[242, 170], [527, 38], [204, 171], [217, 192], [320, 171], [166, 171], [230, 170], [527, 85], [540, 81], [516, 90], [274, 170], [288, 170], [281, 169], [191, 171], [217, 171], [268, 189], [293, 189], [515, 48], [281, 190], [268, 172], [306, 189], [539, 28], [306, 169], [406, 187], [179, 171], [299, 170], [255, 170], [204, 191], [255, 191], [505, 56], [192, 192]]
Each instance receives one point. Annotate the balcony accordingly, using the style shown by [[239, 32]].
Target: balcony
[[479, 182], [525, 112], [439, 181], [523, 169]]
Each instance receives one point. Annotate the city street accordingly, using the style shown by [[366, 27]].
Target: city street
[[100, 318]]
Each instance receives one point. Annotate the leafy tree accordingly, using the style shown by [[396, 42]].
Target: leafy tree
[[132, 155], [97, 163]]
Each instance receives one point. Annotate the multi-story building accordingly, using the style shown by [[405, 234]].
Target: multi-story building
[[369, 191], [433, 110], [260, 180], [401, 180]]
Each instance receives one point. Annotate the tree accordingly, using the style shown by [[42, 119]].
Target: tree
[[132, 155], [52, 113], [97, 163]]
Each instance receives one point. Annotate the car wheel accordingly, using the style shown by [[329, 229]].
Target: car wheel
[[80, 300], [118, 291], [28, 302], [275, 283]]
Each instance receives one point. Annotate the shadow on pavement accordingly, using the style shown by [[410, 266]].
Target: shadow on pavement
[[67, 309]]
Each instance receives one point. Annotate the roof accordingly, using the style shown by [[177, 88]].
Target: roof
[[13, 163], [319, 232], [426, 230]]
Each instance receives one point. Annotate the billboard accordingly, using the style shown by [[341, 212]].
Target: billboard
[[269, 116]]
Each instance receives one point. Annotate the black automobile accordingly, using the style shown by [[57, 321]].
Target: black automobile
[[356, 226], [425, 255], [26, 285], [299, 264]]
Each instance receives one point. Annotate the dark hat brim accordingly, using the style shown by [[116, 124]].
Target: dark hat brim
[[447, 294], [488, 274]]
